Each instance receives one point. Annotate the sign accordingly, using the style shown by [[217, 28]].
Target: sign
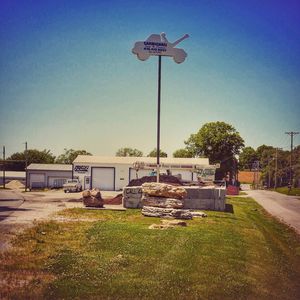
[[232, 190], [158, 44], [81, 169]]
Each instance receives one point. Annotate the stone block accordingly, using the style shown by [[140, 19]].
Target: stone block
[[157, 189], [132, 197], [150, 211], [161, 202]]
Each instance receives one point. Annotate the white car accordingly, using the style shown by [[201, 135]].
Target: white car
[[72, 185], [157, 44]]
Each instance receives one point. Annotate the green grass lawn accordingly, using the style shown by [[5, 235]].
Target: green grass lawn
[[285, 190], [241, 255]]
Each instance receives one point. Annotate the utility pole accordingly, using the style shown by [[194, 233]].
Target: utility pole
[[276, 167], [3, 177], [291, 133], [26, 163]]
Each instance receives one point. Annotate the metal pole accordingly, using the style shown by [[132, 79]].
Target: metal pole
[[3, 177], [291, 161], [276, 167], [25, 166], [158, 119]]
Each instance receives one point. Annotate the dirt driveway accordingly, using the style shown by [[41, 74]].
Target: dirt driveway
[[19, 210]]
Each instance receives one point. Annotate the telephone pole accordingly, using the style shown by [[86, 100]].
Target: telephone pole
[[3, 177], [276, 167], [26, 163], [291, 133]]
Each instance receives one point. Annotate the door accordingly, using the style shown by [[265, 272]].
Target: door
[[87, 182], [36, 180], [56, 182], [103, 178]]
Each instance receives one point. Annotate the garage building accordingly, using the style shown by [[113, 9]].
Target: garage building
[[48, 175], [113, 173]]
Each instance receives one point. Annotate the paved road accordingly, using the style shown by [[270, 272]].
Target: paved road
[[285, 208]]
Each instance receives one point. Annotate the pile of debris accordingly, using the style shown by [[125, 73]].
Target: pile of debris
[[169, 179], [164, 200], [92, 198], [14, 185]]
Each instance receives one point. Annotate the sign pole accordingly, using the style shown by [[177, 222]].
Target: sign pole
[[3, 177], [158, 45], [158, 119]]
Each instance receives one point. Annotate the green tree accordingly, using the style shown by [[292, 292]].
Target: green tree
[[247, 158], [153, 153], [69, 156], [129, 152], [218, 141], [296, 166], [269, 158], [34, 156], [182, 153]]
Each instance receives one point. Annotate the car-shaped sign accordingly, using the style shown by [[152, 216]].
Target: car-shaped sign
[[157, 44]]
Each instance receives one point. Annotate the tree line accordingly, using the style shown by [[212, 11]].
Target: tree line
[[17, 161], [220, 142], [273, 163]]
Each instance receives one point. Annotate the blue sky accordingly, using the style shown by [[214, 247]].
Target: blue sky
[[68, 78]]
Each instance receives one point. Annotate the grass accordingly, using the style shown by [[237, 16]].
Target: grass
[[241, 255], [285, 190], [242, 193]]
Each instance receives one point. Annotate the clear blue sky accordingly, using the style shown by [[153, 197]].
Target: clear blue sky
[[68, 78]]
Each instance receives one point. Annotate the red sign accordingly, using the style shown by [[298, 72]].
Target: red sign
[[232, 190]]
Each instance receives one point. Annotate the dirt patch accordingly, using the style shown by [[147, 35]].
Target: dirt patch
[[162, 178], [15, 184], [114, 201]]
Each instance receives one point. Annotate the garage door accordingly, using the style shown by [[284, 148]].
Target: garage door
[[56, 182], [140, 174], [103, 178], [37, 180]]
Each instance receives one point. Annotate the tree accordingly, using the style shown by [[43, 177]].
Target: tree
[[247, 157], [69, 156], [153, 153], [296, 166], [129, 152], [34, 156], [182, 153], [268, 158], [218, 141]]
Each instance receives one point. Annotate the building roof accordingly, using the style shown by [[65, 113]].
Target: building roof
[[50, 167], [85, 159]]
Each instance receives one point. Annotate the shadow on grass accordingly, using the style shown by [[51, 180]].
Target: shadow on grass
[[229, 208]]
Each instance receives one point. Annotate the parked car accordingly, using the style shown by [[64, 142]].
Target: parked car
[[72, 185]]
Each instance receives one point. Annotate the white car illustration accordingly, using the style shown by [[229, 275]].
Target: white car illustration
[[157, 44]]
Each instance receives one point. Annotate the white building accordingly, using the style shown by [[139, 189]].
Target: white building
[[48, 175], [113, 173]]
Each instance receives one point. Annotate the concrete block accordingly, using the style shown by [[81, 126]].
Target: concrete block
[[132, 197]]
